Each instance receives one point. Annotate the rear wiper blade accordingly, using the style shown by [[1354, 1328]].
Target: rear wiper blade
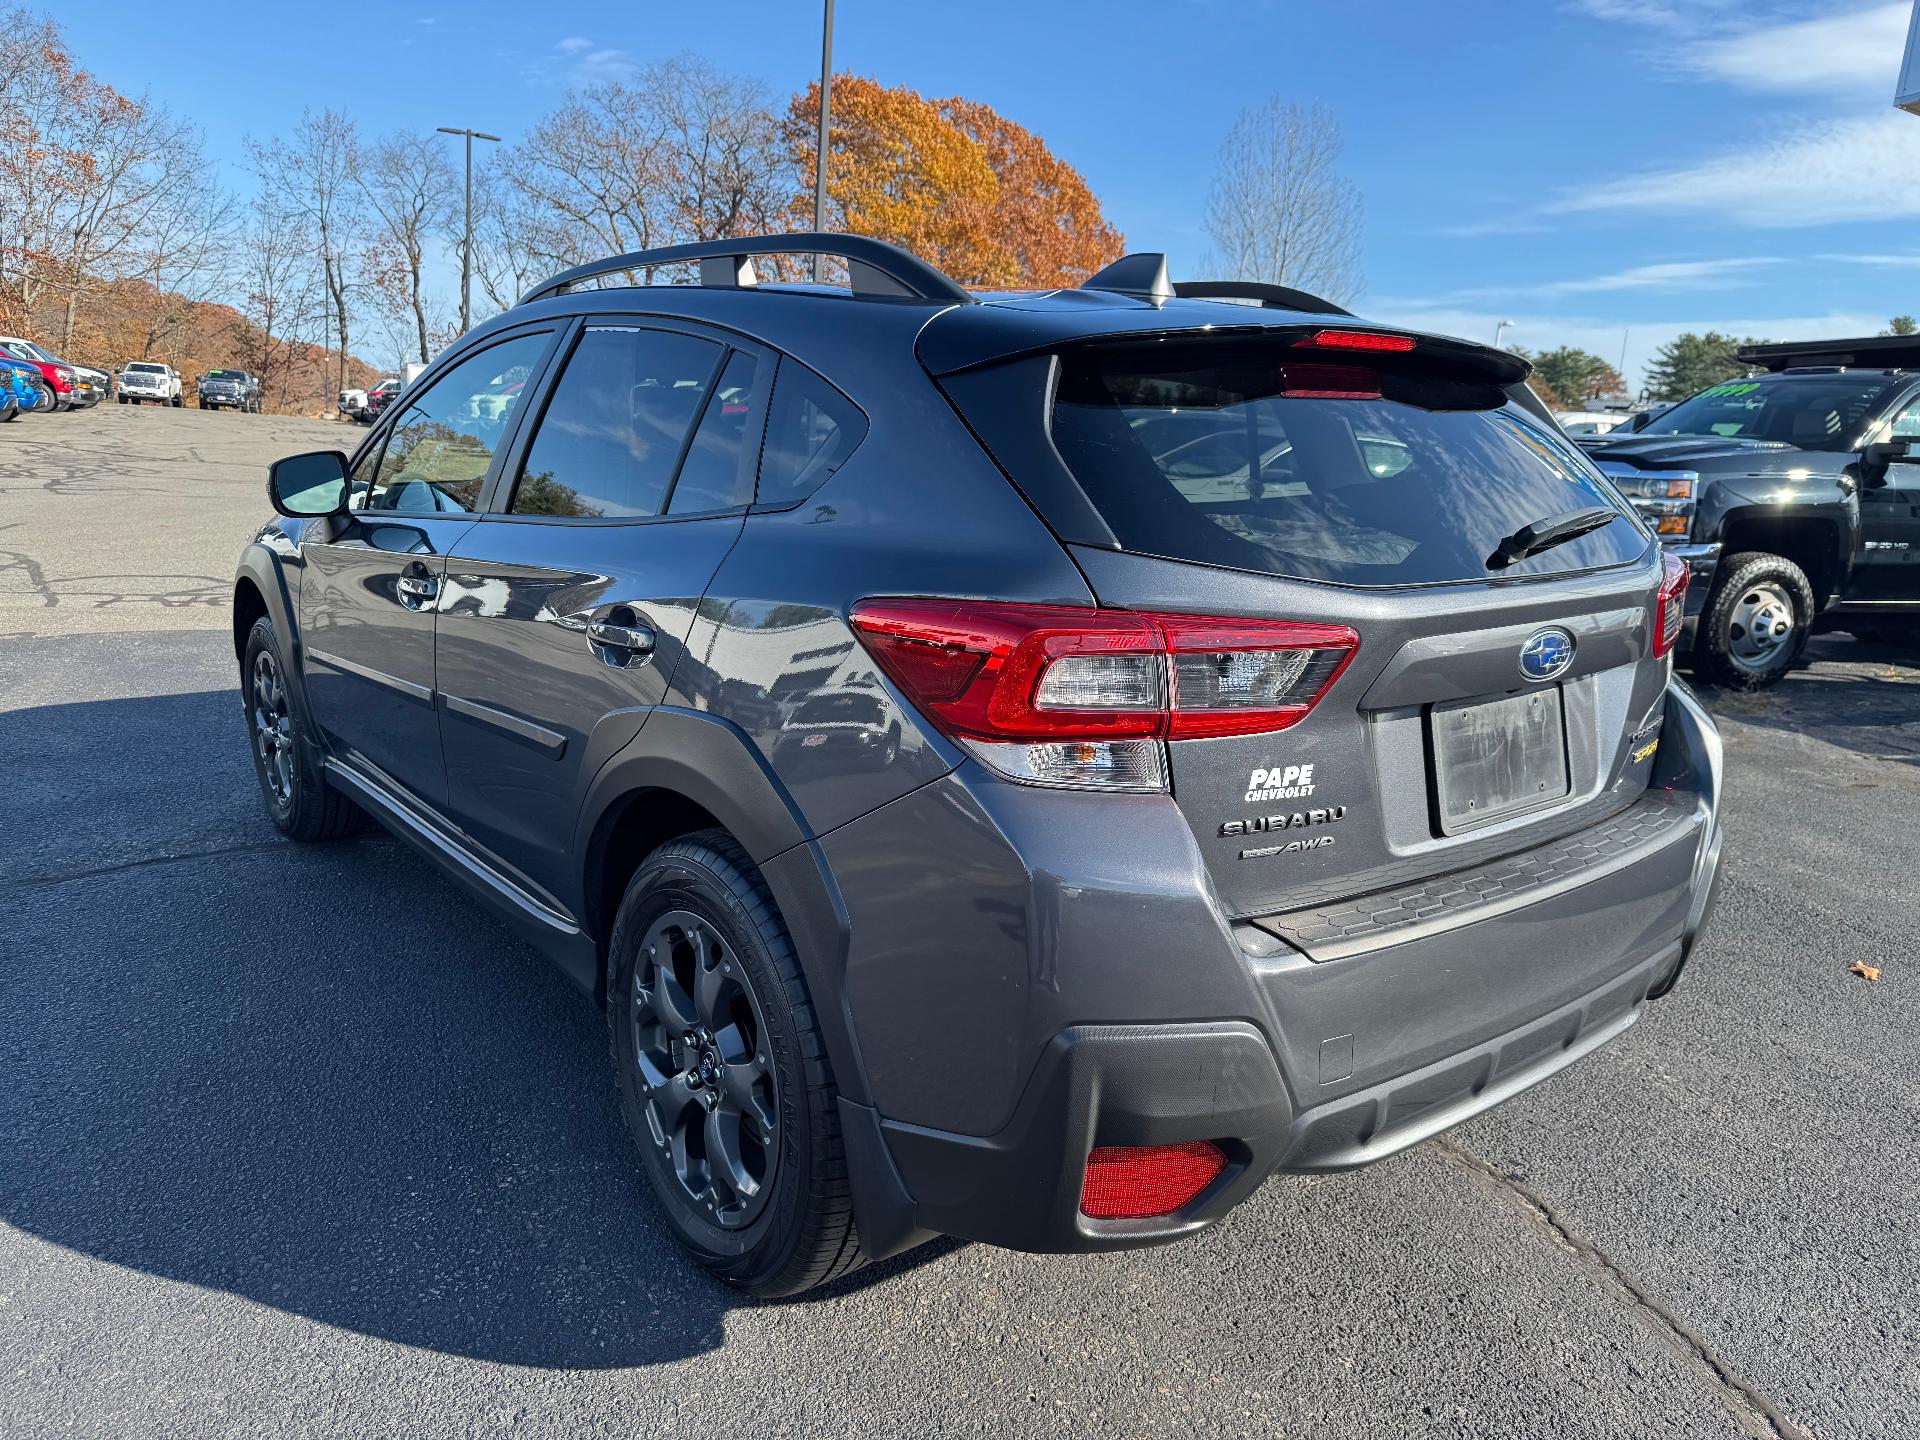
[[1547, 533]]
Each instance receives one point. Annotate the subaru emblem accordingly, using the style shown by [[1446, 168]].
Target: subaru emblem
[[1546, 654]]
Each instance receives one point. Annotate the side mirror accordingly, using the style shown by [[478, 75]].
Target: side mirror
[[1875, 459], [310, 486]]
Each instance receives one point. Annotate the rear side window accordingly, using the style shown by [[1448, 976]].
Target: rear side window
[[718, 471], [811, 431], [1239, 453], [611, 437]]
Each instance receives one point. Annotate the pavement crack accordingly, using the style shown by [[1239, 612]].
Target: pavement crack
[[1754, 1412], [37, 882]]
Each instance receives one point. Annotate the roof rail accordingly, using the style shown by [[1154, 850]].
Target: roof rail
[[1278, 297], [874, 266]]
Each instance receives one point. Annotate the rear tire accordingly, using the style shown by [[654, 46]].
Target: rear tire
[[293, 783], [716, 1044], [1756, 621]]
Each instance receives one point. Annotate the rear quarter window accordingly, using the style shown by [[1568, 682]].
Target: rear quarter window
[[1242, 454]]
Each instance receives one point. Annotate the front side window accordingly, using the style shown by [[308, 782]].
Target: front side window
[[611, 437], [442, 445]]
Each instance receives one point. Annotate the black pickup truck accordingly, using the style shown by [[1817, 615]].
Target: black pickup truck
[[1792, 496]]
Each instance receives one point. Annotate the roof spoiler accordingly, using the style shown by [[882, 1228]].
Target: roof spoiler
[[875, 268], [1878, 352]]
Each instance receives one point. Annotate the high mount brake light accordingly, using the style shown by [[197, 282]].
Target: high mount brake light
[[1061, 696], [1671, 609], [1355, 340]]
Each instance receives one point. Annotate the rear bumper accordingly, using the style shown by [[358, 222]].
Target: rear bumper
[[1337, 1055]]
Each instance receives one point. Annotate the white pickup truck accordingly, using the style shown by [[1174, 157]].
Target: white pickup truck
[[149, 380]]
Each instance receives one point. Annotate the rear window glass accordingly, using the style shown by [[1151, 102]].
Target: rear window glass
[[811, 431], [1239, 454]]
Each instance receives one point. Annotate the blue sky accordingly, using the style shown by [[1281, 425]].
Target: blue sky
[[1579, 167]]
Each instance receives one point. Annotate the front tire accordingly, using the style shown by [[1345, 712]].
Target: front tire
[[293, 784], [1756, 621], [722, 1072]]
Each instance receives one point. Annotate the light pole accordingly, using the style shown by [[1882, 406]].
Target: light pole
[[820, 161], [466, 246], [1499, 330]]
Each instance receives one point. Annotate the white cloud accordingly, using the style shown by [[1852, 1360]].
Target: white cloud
[[1545, 330], [1720, 274], [1811, 174], [1853, 53], [1888, 262], [577, 61]]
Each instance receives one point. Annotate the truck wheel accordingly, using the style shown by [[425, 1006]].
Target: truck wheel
[[722, 1074], [1756, 621], [299, 801]]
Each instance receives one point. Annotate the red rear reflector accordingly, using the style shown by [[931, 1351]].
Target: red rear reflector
[[1355, 340], [1671, 610], [1134, 1182]]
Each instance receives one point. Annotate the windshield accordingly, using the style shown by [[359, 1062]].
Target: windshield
[[1810, 412], [146, 369], [1234, 453]]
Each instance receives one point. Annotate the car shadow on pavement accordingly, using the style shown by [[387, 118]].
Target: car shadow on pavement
[[1860, 695], [318, 1078]]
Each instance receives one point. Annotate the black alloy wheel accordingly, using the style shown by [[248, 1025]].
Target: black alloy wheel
[[711, 1101]]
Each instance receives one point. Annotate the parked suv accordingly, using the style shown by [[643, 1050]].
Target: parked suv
[[230, 390], [1247, 738], [1792, 495], [142, 380]]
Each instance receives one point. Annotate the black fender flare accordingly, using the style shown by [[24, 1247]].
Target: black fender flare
[[712, 762], [261, 564]]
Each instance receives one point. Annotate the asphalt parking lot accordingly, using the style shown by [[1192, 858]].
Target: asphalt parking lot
[[293, 1141]]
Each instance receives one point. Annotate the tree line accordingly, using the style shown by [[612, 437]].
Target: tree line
[[118, 240]]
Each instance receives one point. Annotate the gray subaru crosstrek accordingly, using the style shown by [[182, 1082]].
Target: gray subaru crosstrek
[[1020, 766]]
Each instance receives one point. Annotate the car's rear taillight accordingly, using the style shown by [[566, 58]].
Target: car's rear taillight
[[1671, 610], [1058, 696], [1137, 1182]]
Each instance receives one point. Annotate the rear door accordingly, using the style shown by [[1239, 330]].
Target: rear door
[[568, 605], [1488, 703], [373, 577]]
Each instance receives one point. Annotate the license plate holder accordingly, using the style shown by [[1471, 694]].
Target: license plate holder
[[1494, 759]]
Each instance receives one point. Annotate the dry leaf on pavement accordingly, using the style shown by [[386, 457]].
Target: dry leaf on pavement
[[1864, 970]]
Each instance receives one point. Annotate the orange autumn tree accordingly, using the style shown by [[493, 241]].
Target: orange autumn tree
[[953, 181]]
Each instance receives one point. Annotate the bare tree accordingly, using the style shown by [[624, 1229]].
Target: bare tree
[[506, 261], [282, 301], [684, 152], [88, 176], [312, 176], [410, 186], [187, 257], [1278, 211]]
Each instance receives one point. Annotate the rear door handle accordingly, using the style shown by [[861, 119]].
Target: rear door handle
[[417, 591], [621, 645]]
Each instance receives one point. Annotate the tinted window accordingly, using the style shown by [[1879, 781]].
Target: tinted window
[[718, 472], [811, 430], [612, 434], [1813, 412], [442, 445], [1235, 453]]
